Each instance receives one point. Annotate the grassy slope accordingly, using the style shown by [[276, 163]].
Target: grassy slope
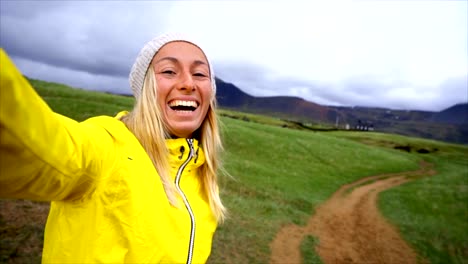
[[280, 175], [431, 213], [80, 104]]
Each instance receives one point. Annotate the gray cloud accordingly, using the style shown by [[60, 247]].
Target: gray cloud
[[453, 90], [29, 9], [74, 78], [401, 94], [364, 90], [96, 37], [92, 45]]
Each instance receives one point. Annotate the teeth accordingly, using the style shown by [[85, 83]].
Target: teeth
[[183, 103]]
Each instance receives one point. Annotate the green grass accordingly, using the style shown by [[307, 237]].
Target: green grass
[[308, 256], [432, 213], [280, 175], [80, 104]]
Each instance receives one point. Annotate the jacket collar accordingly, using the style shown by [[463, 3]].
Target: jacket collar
[[179, 152]]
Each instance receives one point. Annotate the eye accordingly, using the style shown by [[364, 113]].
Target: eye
[[199, 74], [170, 72]]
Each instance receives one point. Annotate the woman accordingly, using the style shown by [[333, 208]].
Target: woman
[[140, 187]]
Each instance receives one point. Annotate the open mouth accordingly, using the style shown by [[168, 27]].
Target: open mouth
[[182, 105]]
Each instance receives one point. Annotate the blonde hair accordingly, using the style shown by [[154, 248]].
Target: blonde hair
[[146, 123]]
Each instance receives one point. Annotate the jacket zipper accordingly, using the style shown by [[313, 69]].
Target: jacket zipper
[[187, 205]]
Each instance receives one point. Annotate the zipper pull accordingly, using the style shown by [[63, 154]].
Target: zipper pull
[[192, 150], [190, 143]]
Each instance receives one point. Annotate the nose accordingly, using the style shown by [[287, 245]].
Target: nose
[[186, 82]]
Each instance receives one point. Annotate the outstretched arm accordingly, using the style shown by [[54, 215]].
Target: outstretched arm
[[43, 155]]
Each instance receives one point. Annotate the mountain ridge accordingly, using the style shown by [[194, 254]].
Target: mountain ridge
[[450, 124]]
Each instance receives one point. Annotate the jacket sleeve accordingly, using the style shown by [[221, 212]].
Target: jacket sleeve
[[43, 155]]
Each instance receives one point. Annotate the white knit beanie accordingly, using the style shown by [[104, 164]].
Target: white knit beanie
[[143, 60]]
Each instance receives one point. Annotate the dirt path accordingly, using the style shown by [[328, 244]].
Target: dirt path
[[349, 226]]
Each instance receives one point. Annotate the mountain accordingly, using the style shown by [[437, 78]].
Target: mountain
[[449, 125], [228, 95], [457, 114], [288, 107]]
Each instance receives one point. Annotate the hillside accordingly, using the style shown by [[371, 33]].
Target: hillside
[[280, 177], [457, 114], [449, 125]]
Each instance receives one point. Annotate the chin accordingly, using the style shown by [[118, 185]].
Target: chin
[[184, 131]]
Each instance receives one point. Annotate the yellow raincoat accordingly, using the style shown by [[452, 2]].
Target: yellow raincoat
[[108, 203]]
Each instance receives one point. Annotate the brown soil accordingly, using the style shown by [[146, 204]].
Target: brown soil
[[349, 226], [22, 230]]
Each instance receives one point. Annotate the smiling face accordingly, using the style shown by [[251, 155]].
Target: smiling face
[[184, 88]]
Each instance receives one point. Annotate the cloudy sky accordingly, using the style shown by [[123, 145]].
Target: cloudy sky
[[395, 54]]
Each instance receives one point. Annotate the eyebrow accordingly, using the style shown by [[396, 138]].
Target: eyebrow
[[174, 60]]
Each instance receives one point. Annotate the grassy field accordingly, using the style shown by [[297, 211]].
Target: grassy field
[[431, 213], [280, 175]]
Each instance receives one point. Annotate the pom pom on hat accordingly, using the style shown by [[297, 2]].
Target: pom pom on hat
[[144, 58]]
